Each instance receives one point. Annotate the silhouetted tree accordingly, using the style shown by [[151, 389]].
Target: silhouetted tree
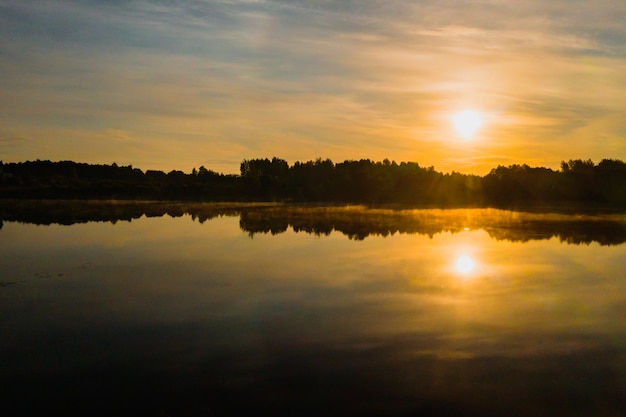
[[350, 181]]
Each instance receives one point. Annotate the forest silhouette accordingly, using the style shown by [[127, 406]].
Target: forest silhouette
[[363, 182]]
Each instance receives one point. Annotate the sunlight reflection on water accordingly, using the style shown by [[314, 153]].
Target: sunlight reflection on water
[[464, 264], [248, 308]]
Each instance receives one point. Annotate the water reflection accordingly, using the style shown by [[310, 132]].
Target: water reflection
[[168, 316], [356, 222], [464, 265]]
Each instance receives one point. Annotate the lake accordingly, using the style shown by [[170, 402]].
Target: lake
[[172, 309]]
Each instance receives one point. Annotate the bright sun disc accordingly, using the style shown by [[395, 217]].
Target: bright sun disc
[[467, 123]]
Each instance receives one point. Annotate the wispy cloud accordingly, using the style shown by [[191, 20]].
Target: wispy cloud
[[11, 139], [302, 79]]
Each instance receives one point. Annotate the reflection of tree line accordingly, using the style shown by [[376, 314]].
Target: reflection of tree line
[[571, 232], [359, 223], [46, 212], [356, 222]]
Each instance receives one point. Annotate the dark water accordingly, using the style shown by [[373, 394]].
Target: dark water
[[271, 310]]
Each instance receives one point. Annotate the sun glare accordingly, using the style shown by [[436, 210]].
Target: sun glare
[[464, 264], [466, 123]]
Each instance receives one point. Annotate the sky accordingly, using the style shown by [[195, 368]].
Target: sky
[[181, 84]]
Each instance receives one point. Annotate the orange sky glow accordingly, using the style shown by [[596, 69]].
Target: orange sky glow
[[163, 85]]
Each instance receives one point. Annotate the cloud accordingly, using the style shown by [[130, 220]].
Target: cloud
[[11, 139], [119, 135], [305, 78], [9, 143]]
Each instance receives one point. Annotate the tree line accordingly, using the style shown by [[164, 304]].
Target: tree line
[[74, 180], [352, 181]]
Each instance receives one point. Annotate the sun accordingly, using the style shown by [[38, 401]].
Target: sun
[[466, 123]]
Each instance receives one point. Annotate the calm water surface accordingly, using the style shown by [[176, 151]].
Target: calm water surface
[[315, 311]]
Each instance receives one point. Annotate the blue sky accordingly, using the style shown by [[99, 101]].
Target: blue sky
[[179, 84]]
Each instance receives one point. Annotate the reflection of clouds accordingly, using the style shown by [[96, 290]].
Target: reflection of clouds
[[282, 314]]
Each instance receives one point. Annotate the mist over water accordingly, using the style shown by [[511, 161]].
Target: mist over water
[[224, 310]]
